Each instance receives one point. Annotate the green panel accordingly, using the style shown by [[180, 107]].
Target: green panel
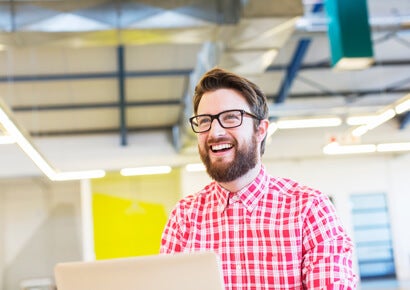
[[348, 29], [130, 213]]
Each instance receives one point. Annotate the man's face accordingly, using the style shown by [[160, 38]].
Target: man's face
[[228, 153]]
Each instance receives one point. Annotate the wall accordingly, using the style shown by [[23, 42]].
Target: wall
[[340, 177], [39, 226]]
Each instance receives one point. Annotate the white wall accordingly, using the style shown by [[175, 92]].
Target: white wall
[[40, 225], [341, 177]]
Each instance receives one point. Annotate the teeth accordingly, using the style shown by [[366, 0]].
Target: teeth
[[221, 147]]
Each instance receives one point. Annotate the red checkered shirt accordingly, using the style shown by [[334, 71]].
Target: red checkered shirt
[[272, 234]]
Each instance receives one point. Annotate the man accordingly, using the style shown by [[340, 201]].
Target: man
[[270, 233]]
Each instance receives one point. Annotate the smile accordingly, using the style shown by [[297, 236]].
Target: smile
[[221, 147]]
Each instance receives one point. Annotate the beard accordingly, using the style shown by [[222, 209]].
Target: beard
[[245, 159]]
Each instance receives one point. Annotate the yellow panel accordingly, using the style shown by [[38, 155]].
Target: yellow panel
[[130, 213], [126, 228]]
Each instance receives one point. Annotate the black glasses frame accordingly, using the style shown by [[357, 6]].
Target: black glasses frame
[[216, 116]]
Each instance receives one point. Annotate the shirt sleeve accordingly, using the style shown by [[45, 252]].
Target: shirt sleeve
[[327, 249], [173, 238]]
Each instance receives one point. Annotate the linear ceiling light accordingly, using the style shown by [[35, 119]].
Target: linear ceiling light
[[18, 135], [336, 149], [309, 122], [403, 105], [149, 170], [25, 145], [391, 147], [76, 175], [359, 119], [381, 118], [374, 122], [6, 139]]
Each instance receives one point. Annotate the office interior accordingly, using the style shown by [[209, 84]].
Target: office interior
[[96, 95]]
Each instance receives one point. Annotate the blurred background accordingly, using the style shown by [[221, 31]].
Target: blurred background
[[95, 144]]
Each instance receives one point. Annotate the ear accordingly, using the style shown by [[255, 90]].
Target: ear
[[263, 129]]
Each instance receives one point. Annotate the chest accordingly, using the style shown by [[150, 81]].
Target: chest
[[267, 228]]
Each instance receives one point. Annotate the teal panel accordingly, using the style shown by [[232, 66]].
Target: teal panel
[[348, 29]]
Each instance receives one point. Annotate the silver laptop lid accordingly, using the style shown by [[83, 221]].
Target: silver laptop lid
[[183, 271]]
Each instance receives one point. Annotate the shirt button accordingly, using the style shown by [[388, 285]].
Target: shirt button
[[234, 199]]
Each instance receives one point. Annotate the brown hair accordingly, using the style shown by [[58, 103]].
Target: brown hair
[[221, 79]]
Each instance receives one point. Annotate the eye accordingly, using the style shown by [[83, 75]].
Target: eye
[[203, 121], [231, 117]]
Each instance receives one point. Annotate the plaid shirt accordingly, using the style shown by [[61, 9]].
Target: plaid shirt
[[273, 234]]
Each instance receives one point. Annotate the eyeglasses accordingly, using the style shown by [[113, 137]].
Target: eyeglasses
[[227, 119]]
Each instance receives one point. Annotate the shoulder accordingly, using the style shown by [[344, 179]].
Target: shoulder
[[295, 194], [292, 188]]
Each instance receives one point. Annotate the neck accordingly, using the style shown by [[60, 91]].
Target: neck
[[239, 183]]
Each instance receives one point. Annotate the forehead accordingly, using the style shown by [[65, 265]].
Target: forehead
[[220, 100]]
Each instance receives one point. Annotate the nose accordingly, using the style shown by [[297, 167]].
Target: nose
[[216, 128]]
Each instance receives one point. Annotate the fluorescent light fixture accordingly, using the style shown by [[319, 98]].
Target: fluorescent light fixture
[[146, 170], [25, 145], [6, 139], [374, 122], [19, 137], [359, 120], [391, 147], [195, 167], [403, 106], [381, 118], [309, 122], [336, 149], [360, 131], [78, 175]]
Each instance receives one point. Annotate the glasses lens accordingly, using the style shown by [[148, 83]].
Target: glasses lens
[[201, 123], [231, 119]]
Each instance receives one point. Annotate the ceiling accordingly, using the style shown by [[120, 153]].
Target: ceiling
[[107, 84]]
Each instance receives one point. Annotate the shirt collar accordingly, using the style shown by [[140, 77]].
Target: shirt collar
[[250, 195]]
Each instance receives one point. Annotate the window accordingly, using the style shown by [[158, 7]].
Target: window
[[372, 236]]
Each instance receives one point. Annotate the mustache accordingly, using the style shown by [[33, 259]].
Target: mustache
[[220, 140]]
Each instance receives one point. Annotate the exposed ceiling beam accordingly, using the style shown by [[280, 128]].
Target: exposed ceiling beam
[[357, 93], [405, 120], [151, 103], [102, 75], [292, 70], [52, 133], [121, 94]]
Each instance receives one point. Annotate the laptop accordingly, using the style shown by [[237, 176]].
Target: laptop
[[182, 271]]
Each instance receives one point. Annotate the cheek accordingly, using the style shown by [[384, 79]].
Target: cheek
[[201, 140]]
